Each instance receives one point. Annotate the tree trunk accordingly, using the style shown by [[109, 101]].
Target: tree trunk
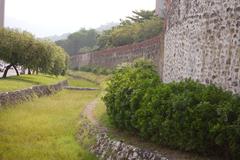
[[6, 71], [7, 68], [37, 71], [29, 71], [14, 66]]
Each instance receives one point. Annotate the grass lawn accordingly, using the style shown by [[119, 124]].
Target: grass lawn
[[101, 114], [45, 128], [24, 81], [87, 75], [81, 83]]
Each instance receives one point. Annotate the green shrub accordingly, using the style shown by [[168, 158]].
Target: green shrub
[[126, 90], [186, 115], [192, 117], [85, 69]]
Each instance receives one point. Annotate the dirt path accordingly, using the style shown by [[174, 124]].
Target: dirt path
[[88, 112]]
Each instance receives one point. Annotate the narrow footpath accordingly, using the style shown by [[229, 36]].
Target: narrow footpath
[[88, 112]]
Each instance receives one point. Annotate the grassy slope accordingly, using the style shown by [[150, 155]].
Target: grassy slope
[[81, 83], [87, 75], [44, 129], [100, 80], [24, 81], [101, 115]]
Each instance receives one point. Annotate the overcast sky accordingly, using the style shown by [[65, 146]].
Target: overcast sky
[[50, 17]]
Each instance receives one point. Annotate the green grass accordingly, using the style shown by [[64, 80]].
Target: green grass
[[101, 114], [81, 83], [89, 76], [24, 81], [45, 128]]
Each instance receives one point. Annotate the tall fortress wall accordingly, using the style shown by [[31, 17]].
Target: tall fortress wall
[[110, 58], [202, 42]]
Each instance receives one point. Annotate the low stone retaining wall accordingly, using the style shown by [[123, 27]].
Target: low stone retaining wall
[[19, 96], [107, 148]]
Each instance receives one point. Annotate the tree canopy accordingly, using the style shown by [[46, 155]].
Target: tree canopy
[[81, 41], [22, 48], [139, 27], [141, 16]]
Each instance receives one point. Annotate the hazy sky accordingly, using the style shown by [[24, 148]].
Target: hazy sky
[[50, 17]]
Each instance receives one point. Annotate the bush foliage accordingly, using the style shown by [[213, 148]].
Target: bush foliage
[[126, 90], [186, 115]]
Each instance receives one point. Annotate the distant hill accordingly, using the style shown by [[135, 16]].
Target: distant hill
[[57, 38], [106, 26], [64, 36]]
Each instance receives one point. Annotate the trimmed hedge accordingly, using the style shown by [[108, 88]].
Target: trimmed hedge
[[185, 115]]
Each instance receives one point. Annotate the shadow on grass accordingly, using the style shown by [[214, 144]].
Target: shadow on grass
[[22, 80], [32, 79], [49, 76]]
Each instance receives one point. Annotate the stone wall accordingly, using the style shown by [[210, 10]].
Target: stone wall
[[202, 41], [15, 97], [109, 58], [107, 148]]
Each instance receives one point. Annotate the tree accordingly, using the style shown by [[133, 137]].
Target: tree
[[143, 25], [88, 49], [147, 29], [141, 16], [122, 36], [14, 48], [59, 62], [21, 48], [78, 40], [104, 40]]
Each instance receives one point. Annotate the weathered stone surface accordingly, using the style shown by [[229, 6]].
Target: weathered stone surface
[[202, 42], [19, 96], [106, 148], [109, 149]]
